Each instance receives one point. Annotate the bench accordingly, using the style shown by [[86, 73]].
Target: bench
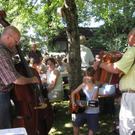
[[57, 100], [106, 96]]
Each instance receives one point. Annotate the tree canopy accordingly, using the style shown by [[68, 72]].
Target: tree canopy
[[41, 16]]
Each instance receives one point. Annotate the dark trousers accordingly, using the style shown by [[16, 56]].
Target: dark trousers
[[5, 110]]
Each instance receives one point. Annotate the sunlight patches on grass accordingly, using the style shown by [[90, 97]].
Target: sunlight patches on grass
[[58, 132], [68, 125], [53, 131], [104, 123]]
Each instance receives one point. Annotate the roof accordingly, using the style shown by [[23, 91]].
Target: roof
[[87, 32]]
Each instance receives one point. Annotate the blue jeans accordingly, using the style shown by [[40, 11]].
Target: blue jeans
[[5, 110]]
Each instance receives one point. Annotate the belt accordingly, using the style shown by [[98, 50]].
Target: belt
[[128, 91]]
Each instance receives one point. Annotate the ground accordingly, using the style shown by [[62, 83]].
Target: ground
[[63, 124]]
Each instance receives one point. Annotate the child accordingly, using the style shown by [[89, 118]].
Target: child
[[91, 114]]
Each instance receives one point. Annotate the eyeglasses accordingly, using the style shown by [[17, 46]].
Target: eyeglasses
[[17, 41]]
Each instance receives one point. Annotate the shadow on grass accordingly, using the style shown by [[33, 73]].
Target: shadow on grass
[[63, 124]]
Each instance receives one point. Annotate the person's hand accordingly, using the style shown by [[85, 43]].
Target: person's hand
[[37, 67], [80, 104], [74, 105], [35, 80], [96, 63]]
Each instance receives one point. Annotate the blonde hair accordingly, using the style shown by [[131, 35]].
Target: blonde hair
[[82, 39]]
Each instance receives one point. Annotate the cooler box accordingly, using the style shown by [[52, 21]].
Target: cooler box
[[13, 131]]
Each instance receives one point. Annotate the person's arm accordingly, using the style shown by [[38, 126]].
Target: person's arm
[[73, 95], [91, 63], [91, 58], [68, 66], [42, 71], [24, 80], [95, 95], [40, 60], [44, 80], [110, 67], [55, 76], [68, 63]]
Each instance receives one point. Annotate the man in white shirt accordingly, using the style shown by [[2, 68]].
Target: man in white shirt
[[87, 58]]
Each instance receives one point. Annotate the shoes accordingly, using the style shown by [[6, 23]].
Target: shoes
[[68, 113]]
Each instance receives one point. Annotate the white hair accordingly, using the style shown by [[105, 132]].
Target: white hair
[[82, 39]]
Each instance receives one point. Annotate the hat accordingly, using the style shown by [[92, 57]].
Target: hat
[[59, 58]]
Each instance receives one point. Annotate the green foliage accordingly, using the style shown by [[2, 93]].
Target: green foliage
[[110, 40], [42, 17], [119, 20]]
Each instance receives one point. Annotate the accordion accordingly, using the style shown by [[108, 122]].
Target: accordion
[[103, 76]]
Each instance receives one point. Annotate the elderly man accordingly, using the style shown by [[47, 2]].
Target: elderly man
[[86, 54], [35, 56], [61, 66], [126, 85], [87, 58], [8, 75]]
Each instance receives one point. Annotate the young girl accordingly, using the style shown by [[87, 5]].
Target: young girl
[[91, 114]]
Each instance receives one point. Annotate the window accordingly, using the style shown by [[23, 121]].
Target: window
[[61, 45]]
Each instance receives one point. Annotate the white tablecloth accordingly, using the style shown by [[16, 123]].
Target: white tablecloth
[[64, 74], [13, 131]]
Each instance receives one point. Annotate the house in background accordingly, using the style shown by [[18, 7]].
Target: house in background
[[60, 42]]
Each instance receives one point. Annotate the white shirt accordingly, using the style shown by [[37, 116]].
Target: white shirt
[[62, 67], [86, 56], [59, 86]]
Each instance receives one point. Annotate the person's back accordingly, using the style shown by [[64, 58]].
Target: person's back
[[86, 56]]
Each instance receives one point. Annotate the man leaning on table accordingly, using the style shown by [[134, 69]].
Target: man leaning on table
[[126, 85]]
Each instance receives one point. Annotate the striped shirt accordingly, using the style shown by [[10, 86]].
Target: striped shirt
[[8, 73]]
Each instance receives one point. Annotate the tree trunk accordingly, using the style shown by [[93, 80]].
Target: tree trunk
[[72, 31]]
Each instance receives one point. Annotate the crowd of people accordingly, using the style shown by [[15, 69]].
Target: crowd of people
[[50, 69]]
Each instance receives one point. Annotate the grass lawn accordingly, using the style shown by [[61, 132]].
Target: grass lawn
[[63, 124]]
